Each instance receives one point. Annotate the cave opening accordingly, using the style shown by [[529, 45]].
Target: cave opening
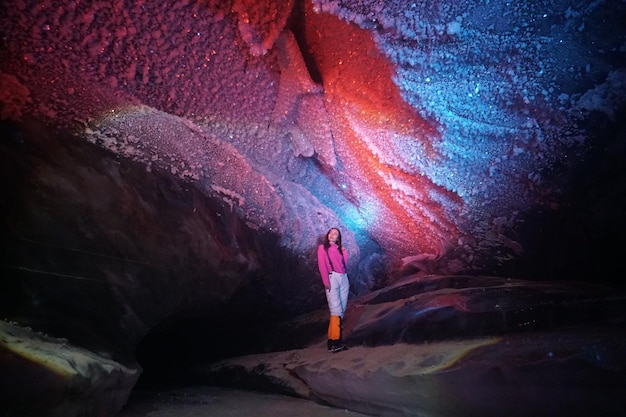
[[174, 352], [171, 349]]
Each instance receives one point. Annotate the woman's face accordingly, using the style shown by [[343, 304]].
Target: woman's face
[[333, 235]]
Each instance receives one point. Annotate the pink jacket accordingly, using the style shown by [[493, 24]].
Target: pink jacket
[[324, 263]]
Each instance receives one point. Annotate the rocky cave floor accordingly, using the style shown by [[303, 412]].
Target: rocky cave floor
[[202, 401], [519, 364], [438, 347]]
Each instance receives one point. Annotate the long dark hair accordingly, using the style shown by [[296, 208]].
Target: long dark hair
[[327, 242]]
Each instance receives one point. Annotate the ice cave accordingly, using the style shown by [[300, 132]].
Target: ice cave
[[169, 170]]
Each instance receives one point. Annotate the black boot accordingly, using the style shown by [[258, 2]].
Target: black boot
[[336, 346]]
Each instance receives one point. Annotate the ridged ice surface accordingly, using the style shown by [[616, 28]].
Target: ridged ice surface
[[427, 127]]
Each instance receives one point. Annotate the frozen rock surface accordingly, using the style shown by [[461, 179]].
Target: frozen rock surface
[[471, 346], [426, 129], [42, 375]]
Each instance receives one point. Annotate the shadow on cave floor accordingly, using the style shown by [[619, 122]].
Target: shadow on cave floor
[[200, 401], [169, 351]]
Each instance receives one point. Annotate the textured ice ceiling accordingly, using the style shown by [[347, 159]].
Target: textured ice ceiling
[[426, 130]]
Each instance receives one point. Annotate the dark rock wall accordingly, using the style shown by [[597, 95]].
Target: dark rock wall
[[99, 250]]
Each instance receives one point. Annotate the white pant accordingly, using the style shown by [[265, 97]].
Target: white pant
[[337, 297]]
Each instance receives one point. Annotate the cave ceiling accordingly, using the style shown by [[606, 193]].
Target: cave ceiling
[[427, 131]]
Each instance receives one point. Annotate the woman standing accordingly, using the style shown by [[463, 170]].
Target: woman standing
[[332, 259]]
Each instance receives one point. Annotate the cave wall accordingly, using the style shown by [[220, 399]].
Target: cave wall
[[169, 161], [97, 242]]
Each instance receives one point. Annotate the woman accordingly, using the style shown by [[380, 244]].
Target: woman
[[332, 259]]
